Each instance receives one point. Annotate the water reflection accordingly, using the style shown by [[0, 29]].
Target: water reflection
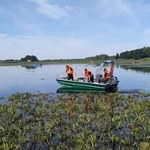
[[136, 68], [71, 90], [31, 66]]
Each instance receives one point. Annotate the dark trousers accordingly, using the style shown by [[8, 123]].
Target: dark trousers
[[70, 76], [91, 79]]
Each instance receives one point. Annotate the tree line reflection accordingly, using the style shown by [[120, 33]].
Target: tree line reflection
[[144, 69]]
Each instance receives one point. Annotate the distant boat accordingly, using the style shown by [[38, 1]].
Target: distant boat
[[80, 84]]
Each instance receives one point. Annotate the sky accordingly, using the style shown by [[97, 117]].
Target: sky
[[66, 29]]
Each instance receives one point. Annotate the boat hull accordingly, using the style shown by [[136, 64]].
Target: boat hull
[[82, 85]]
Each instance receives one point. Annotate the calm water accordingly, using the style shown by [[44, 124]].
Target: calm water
[[43, 79]]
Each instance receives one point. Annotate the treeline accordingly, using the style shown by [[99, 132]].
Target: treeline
[[31, 58], [132, 54], [69, 61], [135, 54], [98, 57]]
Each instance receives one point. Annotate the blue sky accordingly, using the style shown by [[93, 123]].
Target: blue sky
[[59, 29]]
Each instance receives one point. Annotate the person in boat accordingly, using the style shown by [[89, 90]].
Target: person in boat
[[69, 72], [86, 73], [106, 73], [106, 76], [90, 77]]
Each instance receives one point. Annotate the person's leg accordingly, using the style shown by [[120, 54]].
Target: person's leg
[[68, 76], [71, 76], [92, 78]]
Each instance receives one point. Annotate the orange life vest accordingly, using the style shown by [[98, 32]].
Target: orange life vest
[[69, 70], [86, 73], [106, 74]]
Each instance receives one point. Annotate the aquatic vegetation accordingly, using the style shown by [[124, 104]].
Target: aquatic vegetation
[[75, 121]]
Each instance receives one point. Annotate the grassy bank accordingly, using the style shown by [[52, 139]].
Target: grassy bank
[[75, 121], [145, 61], [43, 62]]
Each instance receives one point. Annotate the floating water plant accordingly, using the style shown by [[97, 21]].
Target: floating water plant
[[75, 121]]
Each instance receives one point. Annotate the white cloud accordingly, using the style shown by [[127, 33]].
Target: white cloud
[[45, 47], [51, 10], [116, 7], [62, 47]]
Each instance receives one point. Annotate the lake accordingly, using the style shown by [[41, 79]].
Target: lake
[[43, 79]]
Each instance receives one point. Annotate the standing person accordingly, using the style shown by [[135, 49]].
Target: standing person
[[69, 72]]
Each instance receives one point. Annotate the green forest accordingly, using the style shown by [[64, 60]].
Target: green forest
[[132, 54], [135, 54]]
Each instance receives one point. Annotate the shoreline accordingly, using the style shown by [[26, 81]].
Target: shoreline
[[131, 62]]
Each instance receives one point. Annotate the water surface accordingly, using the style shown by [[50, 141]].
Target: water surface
[[43, 79]]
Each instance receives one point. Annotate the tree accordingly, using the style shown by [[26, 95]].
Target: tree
[[136, 54], [117, 56], [103, 56], [29, 58]]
